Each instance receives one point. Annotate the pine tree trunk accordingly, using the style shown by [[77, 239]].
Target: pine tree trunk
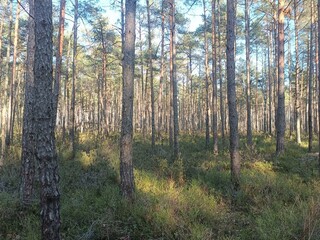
[[281, 121], [126, 165], [28, 132], [214, 80], [173, 79], [153, 127], [248, 86], [310, 85], [232, 98], [43, 112], [74, 73], [57, 78], [297, 84]]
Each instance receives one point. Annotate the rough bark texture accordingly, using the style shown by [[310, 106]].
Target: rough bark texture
[[43, 113], [232, 98], [126, 165], [28, 134], [281, 121]]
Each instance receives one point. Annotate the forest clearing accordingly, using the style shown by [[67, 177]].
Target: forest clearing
[[159, 119]]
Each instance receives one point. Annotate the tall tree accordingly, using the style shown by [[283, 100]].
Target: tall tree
[[297, 70], [232, 98], [319, 78], [126, 165], [43, 113], [74, 76], [214, 80], [206, 66], [310, 85], [153, 128], [57, 78], [28, 134], [173, 78], [280, 120], [248, 86], [13, 80]]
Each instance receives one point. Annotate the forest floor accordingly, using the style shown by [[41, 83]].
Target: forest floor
[[190, 198]]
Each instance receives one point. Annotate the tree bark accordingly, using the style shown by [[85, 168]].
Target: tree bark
[[28, 133], [232, 98], [126, 165], [281, 121], [43, 113]]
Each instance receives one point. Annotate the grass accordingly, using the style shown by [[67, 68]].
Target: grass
[[187, 199]]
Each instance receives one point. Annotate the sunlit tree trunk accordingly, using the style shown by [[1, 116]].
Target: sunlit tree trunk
[[232, 98], [126, 165], [57, 78], [297, 83], [281, 121], [13, 80]]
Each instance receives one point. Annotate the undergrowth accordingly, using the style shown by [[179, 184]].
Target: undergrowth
[[189, 198]]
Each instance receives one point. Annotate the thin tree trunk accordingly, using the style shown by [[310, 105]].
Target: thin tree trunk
[[206, 73], [43, 112], [310, 88], [214, 80], [74, 72], [57, 78], [173, 79], [248, 86], [153, 127], [28, 132], [297, 84], [162, 66], [319, 81], [281, 121], [232, 98]]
